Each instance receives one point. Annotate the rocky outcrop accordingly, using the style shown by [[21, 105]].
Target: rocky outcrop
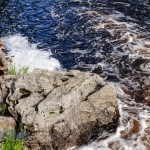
[[61, 109]]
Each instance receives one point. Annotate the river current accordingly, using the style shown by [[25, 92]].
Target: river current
[[108, 37]]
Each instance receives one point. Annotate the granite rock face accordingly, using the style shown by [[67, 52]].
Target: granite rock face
[[60, 108]]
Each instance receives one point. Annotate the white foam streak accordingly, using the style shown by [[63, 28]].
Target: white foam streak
[[27, 54]]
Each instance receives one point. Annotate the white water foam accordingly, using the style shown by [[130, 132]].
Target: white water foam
[[27, 54], [134, 117]]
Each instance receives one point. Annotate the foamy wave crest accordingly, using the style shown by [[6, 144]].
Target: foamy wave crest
[[27, 54]]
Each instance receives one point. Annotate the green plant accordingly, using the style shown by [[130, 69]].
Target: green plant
[[4, 109], [11, 143], [13, 70], [23, 70]]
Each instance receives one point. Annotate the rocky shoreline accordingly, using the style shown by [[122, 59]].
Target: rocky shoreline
[[58, 109]]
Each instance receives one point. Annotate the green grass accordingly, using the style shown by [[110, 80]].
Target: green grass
[[12, 144], [4, 108], [13, 70]]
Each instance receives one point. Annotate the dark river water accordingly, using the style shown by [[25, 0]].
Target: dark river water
[[108, 37]]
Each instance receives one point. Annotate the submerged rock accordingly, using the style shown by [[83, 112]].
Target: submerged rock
[[60, 108]]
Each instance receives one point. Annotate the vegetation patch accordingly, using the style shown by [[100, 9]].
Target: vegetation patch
[[4, 109], [13, 70], [13, 142]]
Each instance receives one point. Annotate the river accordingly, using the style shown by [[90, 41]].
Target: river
[[108, 37]]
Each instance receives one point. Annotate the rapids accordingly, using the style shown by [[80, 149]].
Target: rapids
[[108, 37]]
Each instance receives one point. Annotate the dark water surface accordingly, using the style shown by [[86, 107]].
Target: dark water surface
[[110, 37]]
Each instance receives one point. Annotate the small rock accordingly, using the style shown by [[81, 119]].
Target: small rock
[[6, 124]]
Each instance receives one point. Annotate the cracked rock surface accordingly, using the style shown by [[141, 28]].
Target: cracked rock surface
[[58, 108]]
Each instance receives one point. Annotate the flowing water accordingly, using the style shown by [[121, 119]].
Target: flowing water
[[109, 37]]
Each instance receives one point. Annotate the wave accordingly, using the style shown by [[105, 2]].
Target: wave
[[27, 54]]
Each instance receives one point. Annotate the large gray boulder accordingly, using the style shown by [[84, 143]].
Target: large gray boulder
[[60, 108]]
